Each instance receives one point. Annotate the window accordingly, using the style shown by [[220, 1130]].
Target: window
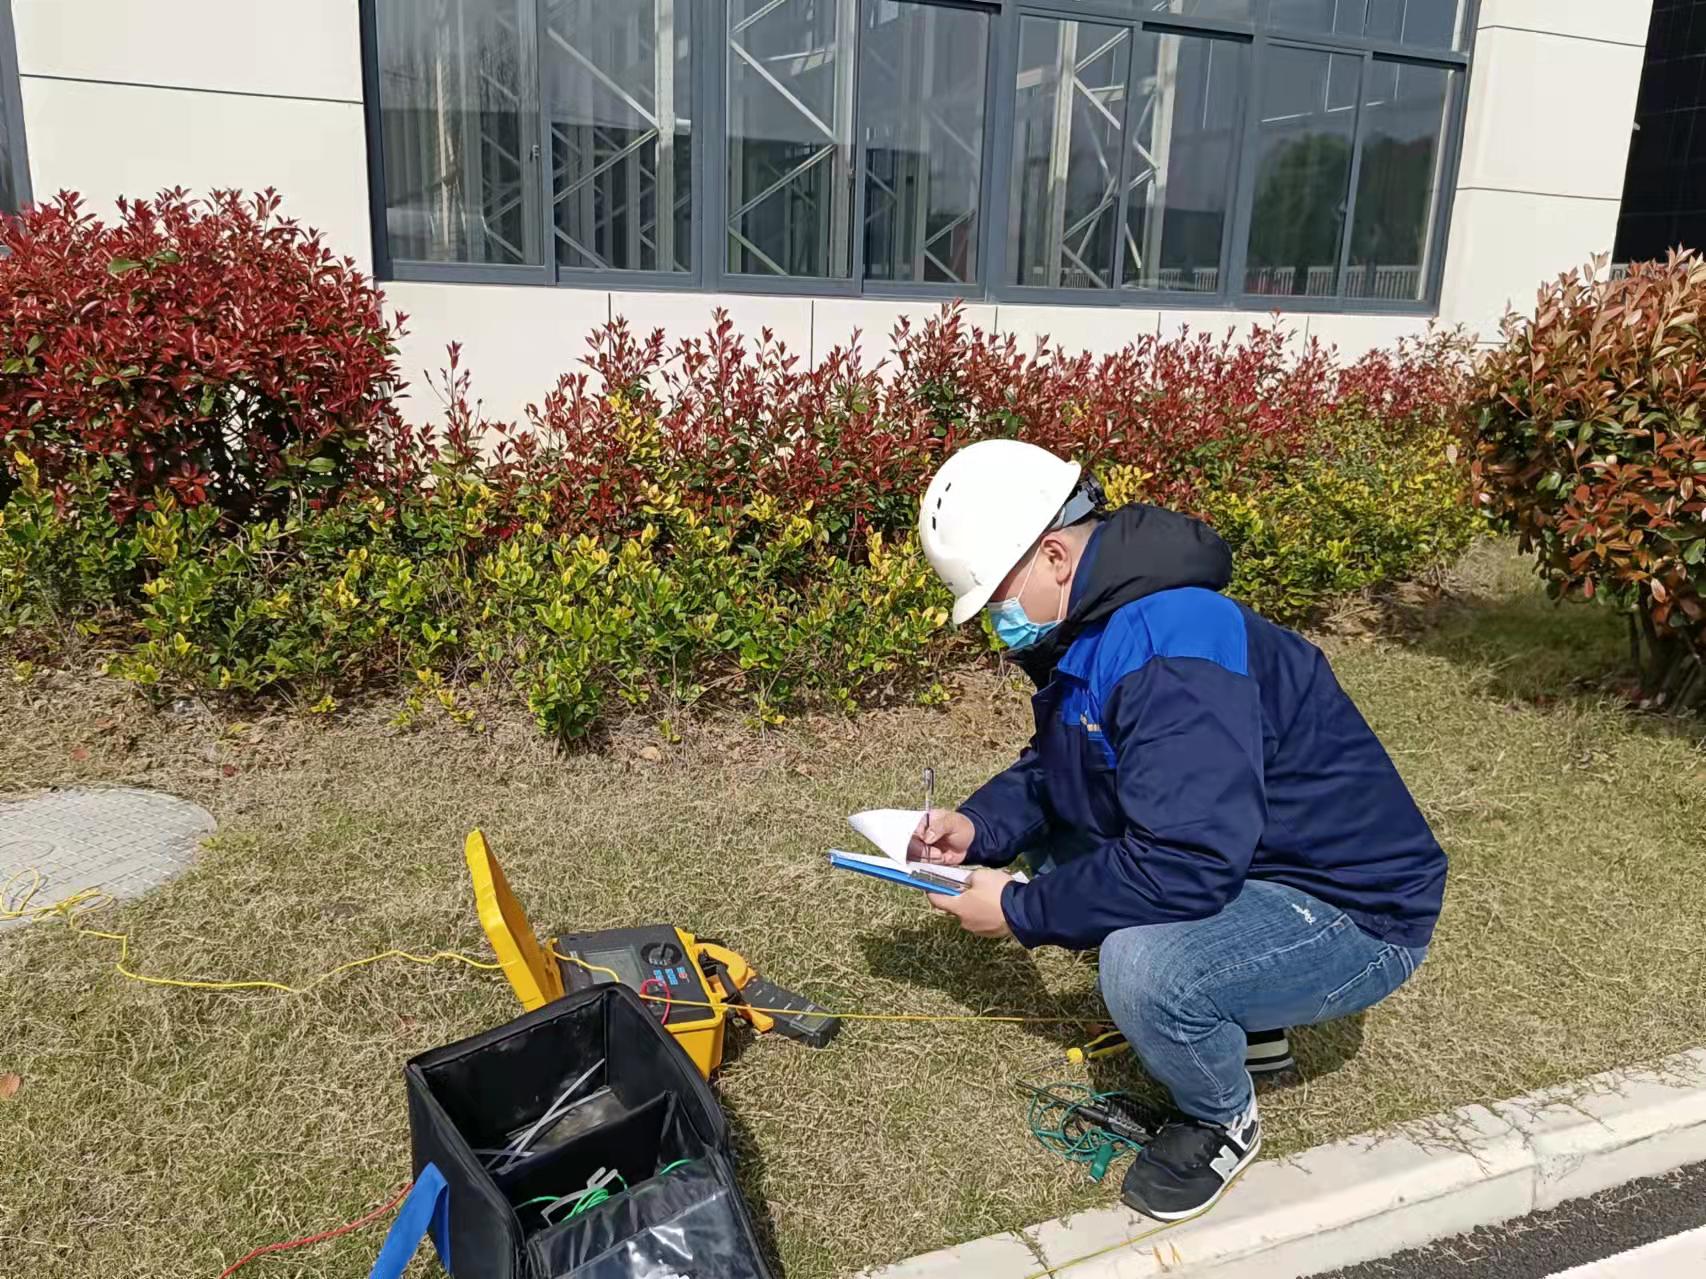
[[1402, 152], [1068, 143], [1123, 156], [460, 125], [1306, 132], [1187, 102], [1311, 143], [616, 82], [922, 80], [1422, 23], [800, 74], [1235, 153], [14, 165], [790, 137]]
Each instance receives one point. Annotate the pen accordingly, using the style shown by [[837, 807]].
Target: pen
[[929, 793]]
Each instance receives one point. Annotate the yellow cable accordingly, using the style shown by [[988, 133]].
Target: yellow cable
[[597, 968], [67, 909], [773, 1012], [1048, 1272]]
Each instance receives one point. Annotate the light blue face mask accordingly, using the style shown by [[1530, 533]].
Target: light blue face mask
[[1013, 626]]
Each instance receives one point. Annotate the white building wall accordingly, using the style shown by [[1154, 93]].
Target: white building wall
[[1551, 112], [130, 96]]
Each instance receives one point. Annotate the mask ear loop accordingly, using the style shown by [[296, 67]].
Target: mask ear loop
[[1059, 608], [1023, 582]]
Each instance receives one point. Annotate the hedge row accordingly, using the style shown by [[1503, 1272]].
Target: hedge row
[[208, 479]]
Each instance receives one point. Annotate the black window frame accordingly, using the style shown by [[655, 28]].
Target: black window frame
[[708, 80], [12, 108]]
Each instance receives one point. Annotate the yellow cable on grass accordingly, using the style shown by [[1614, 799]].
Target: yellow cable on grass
[[949, 1017], [13, 907], [68, 908]]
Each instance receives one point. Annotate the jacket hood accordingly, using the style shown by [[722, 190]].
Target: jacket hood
[[1138, 550]]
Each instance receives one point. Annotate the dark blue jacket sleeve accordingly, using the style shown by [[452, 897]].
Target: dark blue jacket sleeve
[[1008, 812], [1187, 740]]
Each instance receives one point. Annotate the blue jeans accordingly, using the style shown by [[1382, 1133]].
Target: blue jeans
[[1185, 993]]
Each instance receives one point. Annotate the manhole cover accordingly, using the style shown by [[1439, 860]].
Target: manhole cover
[[123, 842]]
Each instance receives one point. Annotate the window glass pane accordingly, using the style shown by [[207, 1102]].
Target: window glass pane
[[1399, 181], [921, 93], [1430, 23], [460, 123], [8, 196], [1068, 141], [1230, 10], [1183, 150], [1302, 177], [790, 144], [618, 91]]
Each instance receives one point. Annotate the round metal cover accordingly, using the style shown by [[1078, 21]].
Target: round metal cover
[[121, 841]]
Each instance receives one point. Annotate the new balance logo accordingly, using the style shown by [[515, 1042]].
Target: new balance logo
[[1225, 1163]]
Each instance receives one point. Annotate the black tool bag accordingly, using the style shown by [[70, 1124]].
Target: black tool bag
[[675, 1213]]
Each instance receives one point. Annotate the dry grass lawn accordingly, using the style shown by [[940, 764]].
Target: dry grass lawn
[[163, 1133]]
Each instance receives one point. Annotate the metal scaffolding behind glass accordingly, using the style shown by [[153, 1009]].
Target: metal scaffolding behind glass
[[1184, 134], [460, 130], [617, 84], [921, 104], [790, 137], [1221, 152], [1068, 147]]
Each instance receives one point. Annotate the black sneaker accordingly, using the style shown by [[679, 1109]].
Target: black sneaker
[[1268, 1052], [1189, 1165]]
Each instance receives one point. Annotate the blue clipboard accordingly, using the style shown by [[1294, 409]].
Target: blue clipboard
[[922, 880]]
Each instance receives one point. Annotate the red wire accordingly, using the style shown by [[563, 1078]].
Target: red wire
[[653, 981], [303, 1242]]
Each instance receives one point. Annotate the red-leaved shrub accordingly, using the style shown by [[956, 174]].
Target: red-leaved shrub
[[718, 422], [206, 349], [1589, 444]]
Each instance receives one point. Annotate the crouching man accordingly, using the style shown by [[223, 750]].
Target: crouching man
[[1209, 807]]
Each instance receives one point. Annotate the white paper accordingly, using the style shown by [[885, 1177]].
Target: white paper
[[890, 829]]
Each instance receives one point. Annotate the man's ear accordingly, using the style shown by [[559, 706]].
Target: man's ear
[[1057, 554]]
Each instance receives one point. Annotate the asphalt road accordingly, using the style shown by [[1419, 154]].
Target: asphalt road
[[1546, 1244]]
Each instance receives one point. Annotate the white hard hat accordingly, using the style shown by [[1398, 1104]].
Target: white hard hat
[[983, 510]]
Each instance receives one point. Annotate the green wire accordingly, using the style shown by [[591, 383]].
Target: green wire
[[589, 1198], [1055, 1124], [669, 1168]]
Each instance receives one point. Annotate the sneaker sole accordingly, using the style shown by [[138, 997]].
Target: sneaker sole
[[1188, 1213], [1274, 1067]]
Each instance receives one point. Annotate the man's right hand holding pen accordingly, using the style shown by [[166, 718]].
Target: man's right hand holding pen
[[943, 837]]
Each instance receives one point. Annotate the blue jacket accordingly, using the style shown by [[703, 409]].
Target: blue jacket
[[1184, 744]]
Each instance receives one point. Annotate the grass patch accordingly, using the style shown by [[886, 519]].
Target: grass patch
[[163, 1133]]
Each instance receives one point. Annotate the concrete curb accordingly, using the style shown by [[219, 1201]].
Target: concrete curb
[[1371, 1196]]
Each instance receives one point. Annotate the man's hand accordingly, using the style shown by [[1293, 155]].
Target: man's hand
[[943, 837], [978, 908]]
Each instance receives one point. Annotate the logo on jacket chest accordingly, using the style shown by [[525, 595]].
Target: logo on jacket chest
[[1079, 723]]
